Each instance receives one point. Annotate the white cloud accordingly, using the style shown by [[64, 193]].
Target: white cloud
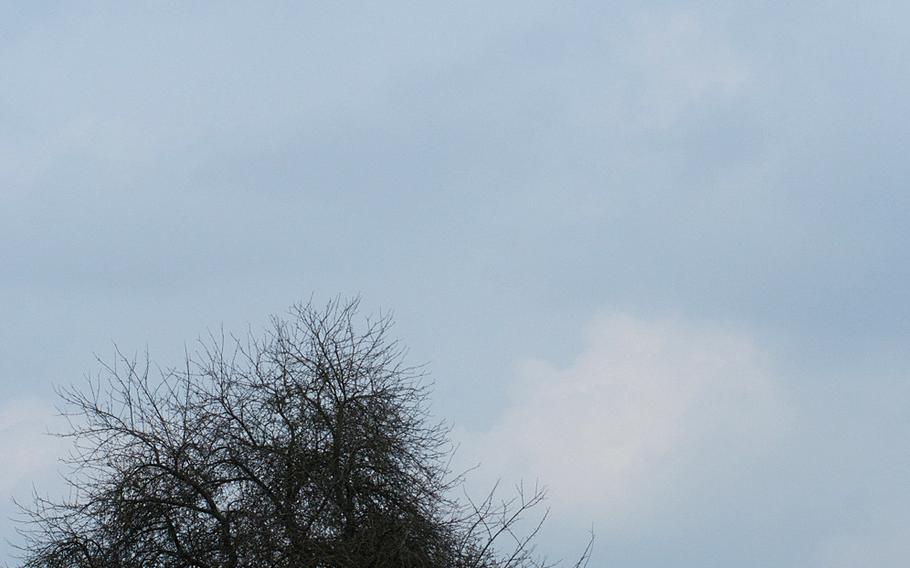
[[27, 450], [682, 59], [647, 410]]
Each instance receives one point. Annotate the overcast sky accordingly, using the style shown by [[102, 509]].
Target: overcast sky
[[656, 258]]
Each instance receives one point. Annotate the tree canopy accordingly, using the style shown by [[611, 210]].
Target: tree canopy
[[308, 445]]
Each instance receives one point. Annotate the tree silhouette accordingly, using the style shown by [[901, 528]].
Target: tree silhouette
[[310, 445]]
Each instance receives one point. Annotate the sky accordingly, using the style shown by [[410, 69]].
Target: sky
[[654, 254]]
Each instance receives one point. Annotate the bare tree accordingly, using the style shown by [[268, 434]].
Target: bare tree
[[308, 446]]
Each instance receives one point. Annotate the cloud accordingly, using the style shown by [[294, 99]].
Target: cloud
[[650, 409], [681, 61], [30, 458], [27, 449]]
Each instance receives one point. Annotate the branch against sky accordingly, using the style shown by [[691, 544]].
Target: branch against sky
[[309, 445]]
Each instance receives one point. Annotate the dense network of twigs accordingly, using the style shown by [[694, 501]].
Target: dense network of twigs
[[309, 446]]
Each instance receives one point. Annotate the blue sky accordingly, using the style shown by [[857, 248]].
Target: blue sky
[[655, 256]]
